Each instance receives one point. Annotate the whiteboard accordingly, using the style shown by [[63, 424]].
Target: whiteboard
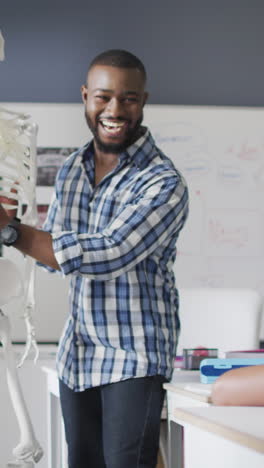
[[220, 152]]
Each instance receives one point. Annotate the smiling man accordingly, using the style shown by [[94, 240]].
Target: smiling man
[[117, 210]]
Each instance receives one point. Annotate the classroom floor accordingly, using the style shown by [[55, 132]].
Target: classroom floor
[[160, 462]]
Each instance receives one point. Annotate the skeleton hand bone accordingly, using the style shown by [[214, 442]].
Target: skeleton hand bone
[[31, 340]]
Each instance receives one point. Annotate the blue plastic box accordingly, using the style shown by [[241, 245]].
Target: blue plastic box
[[212, 368]]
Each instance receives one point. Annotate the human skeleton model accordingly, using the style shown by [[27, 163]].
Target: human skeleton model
[[18, 182]]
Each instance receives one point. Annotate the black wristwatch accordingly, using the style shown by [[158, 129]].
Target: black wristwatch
[[10, 233]]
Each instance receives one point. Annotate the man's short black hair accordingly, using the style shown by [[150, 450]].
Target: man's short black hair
[[119, 58]]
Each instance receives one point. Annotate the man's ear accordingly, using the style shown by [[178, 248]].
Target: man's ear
[[84, 93], [145, 98]]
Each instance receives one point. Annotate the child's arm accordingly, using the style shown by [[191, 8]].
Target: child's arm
[[240, 387]]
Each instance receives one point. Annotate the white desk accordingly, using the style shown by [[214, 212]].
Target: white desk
[[222, 437], [185, 390]]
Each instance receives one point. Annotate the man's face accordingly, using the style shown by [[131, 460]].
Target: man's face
[[114, 99]]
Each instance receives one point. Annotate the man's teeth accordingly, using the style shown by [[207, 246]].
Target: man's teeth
[[112, 126], [110, 123]]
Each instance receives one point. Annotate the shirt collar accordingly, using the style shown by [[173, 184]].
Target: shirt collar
[[139, 153]]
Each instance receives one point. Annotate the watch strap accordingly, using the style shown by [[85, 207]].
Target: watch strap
[[13, 223]]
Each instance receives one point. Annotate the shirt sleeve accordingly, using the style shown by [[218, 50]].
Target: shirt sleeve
[[52, 223], [136, 231]]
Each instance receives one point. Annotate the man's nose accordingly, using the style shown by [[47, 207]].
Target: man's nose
[[114, 107]]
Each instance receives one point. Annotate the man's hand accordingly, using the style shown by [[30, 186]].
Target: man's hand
[[4, 218], [32, 242], [12, 202]]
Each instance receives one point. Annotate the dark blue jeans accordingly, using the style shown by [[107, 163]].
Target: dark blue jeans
[[114, 426]]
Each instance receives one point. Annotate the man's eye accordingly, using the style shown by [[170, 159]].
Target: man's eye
[[131, 99], [101, 98]]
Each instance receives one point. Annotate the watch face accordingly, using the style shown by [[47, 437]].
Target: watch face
[[9, 235]]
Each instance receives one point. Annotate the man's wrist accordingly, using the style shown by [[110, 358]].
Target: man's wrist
[[10, 233]]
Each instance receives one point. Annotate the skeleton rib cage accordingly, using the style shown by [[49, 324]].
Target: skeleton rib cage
[[18, 163]]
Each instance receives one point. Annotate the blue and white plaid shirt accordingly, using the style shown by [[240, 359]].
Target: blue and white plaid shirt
[[117, 240]]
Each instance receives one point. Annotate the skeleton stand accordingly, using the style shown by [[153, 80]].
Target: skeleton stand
[[18, 182]]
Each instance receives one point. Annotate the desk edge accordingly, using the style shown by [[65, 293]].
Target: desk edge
[[232, 434], [170, 387]]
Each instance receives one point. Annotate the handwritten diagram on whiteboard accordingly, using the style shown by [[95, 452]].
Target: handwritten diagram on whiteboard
[[220, 152]]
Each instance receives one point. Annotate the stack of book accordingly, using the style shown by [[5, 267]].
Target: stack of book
[[247, 353]]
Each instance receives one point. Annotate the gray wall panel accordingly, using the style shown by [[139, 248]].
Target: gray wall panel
[[196, 52]]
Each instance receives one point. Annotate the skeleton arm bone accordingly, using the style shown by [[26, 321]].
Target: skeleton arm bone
[[29, 306], [28, 446], [19, 115], [11, 286]]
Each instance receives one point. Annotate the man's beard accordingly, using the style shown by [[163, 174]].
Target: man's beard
[[115, 148]]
